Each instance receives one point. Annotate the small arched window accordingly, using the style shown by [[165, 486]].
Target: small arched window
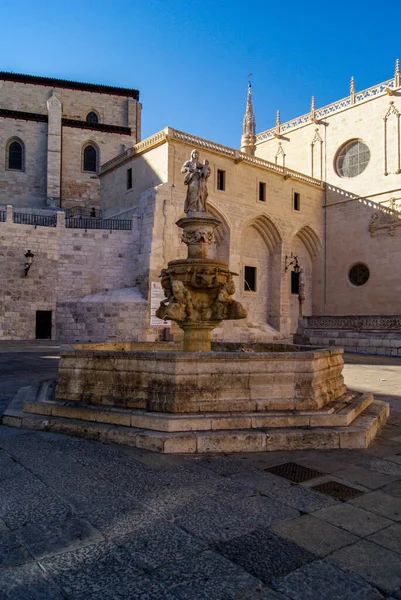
[[15, 155], [92, 117], [90, 158]]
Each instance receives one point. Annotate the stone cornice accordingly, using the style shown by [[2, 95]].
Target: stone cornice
[[72, 85], [22, 116], [96, 126], [26, 116]]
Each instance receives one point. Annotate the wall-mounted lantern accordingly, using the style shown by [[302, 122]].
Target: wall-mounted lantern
[[292, 260], [28, 261]]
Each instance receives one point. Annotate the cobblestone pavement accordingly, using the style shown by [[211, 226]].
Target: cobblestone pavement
[[80, 519]]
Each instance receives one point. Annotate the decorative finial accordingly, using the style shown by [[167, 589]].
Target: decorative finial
[[249, 79], [313, 110], [352, 90], [397, 74], [278, 123]]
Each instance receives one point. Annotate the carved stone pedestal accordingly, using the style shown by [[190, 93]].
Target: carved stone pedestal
[[197, 336]]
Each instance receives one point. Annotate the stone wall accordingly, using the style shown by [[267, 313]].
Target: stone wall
[[116, 315], [364, 334], [53, 153], [68, 263]]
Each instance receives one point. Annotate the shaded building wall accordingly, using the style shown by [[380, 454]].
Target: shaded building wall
[[67, 263]]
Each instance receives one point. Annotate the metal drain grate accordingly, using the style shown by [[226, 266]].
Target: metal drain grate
[[337, 490], [294, 472]]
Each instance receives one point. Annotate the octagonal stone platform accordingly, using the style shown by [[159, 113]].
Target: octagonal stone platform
[[238, 398]]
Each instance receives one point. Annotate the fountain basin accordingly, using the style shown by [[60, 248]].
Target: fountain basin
[[160, 377]]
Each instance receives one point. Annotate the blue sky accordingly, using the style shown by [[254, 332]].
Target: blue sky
[[190, 60]]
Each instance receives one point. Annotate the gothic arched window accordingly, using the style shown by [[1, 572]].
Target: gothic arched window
[[92, 117], [90, 159], [15, 155]]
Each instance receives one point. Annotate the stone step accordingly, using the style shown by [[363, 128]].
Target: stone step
[[357, 435], [336, 414]]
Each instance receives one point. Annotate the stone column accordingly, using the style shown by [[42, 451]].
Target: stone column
[[54, 108], [60, 215], [9, 213]]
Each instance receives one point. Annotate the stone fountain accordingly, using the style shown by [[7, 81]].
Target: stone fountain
[[202, 396], [198, 289]]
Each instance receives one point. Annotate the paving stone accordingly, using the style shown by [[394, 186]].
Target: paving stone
[[353, 519], [154, 545], [9, 467], [6, 432], [214, 522], [381, 504], [322, 581], [377, 565], [141, 588], [120, 522], [263, 593], [388, 538], [298, 497], [387, 467], [327, 464], [169, 501], [182, 475], [264, 554], [224, 465], [221, 487], [263, 511], [393, 489], [366, 477], [206, 576], [315, 535], [27, 582], [3, 526], [91, 569], [394, 457], [28, 500], [49, 538], [12, 552]]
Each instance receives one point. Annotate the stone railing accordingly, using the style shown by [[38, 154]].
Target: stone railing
[[196, 141], [59, 219], [174, 134], [326, 111], [355, 323]]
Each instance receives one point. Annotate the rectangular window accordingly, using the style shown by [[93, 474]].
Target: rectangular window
[[250, 279], [129, 179], [262, 191], [297, 201], [221, 180], [294, 282]]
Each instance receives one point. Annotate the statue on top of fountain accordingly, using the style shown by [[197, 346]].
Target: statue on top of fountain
[[195, 179]]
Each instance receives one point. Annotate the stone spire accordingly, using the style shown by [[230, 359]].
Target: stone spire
[[397, 74], [249, 126]]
